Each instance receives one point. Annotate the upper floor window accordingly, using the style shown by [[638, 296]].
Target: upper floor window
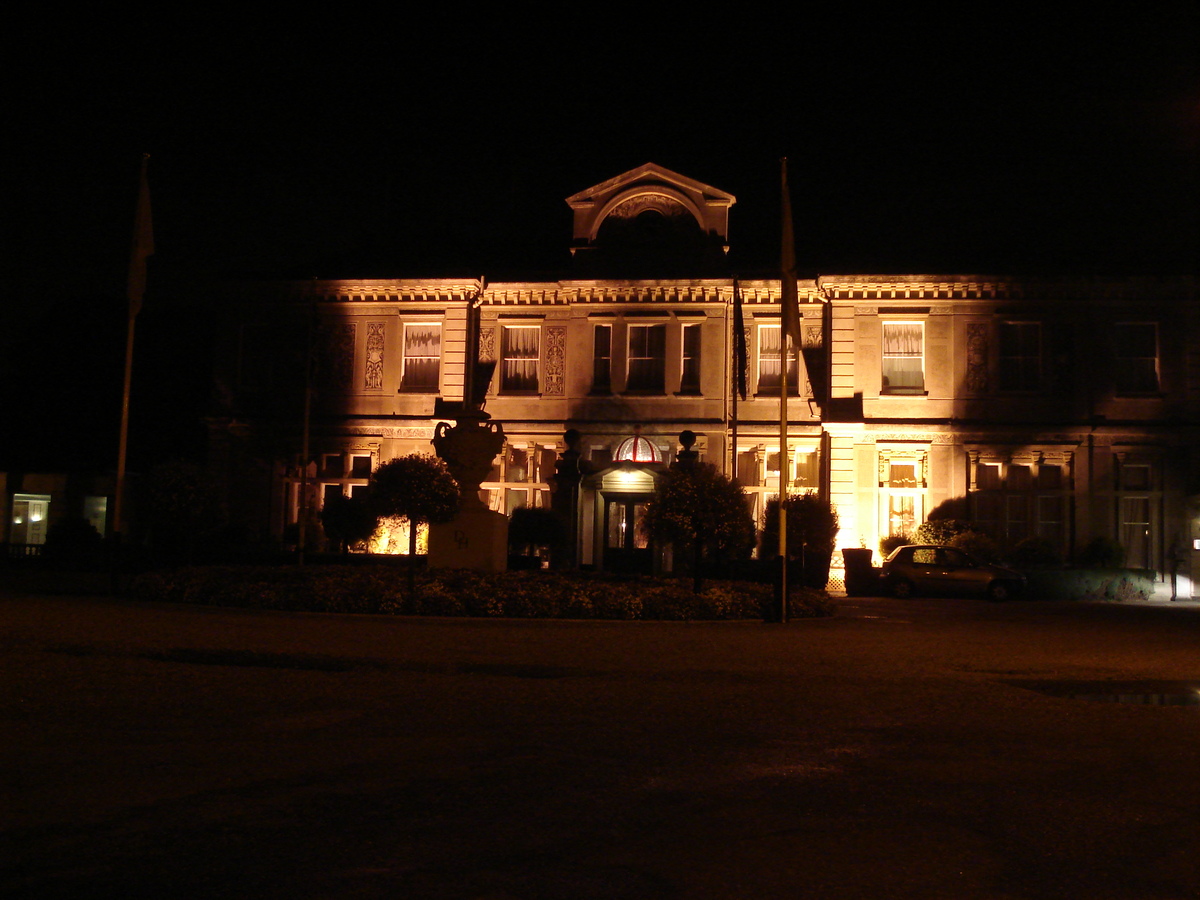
[[519, 349], [647, 358], [421, 370], [769, 365], [903, 358], [1137, 358], [689, 382], [1020, 356], [333, 465], [601, 359]]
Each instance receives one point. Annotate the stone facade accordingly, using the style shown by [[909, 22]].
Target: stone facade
[[1063, 409]]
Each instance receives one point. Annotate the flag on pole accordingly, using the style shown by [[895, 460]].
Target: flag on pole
[[739, 342], [790, 311], [143, 244]]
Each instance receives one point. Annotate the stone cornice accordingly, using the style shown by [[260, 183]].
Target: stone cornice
[[860, 290]]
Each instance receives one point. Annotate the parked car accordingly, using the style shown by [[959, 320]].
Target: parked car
[[926, 569]]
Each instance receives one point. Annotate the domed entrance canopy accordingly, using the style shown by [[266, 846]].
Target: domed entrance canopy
[[637, 449]]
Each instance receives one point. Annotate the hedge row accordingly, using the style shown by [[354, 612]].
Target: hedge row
[[1114, 585], [457, 592]]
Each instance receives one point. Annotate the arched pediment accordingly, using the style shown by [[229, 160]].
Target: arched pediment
[[646, 192]]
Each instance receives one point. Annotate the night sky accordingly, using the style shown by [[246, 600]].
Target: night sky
[[988, 143]]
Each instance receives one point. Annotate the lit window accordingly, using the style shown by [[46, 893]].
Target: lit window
[[1137, 358], [602, 359], [689, 382], [515, 499], [903, 358], [647, 358], [519, 369], [30, 513], [95, 510], [902, 493], [769, 366], [422, 357], [1020, 356]]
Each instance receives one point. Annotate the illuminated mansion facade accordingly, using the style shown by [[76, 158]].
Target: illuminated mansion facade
[[1066, 410]]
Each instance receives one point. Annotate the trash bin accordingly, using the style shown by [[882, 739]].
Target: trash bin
[[861, 578]]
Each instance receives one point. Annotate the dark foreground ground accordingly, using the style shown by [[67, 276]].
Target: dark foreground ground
[[922, 749]]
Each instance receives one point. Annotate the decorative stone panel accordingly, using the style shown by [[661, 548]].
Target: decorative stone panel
[[487, 344], [373, 371], [555, 362], [977, 357]]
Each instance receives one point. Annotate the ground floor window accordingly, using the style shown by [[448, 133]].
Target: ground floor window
[[903, 483], [95, 510], [521, 477], [758, 472], [1139, 511], [30, 514], [1015, 500]]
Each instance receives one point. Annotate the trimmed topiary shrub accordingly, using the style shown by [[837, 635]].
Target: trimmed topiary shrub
[[978, 544], [892, 541], [940, 531], [812, 527]]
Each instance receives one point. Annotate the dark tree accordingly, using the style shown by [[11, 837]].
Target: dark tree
[[347, 521], [698, 508], [812, 527], [184, 513], [417, 488]]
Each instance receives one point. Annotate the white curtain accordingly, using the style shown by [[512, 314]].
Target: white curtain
[[422, 356], [520, 359], [903, 356]]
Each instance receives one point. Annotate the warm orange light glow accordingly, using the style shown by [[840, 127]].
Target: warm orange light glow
[[391, 537]]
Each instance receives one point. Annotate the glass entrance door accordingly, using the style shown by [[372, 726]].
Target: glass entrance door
[[626, 543]]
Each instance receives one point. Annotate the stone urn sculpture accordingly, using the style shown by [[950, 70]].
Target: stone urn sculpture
[[477, 537], [469, 448]]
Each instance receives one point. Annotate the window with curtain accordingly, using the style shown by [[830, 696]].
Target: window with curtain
[[689, 382], [1020, 356], [519, 368], [647, 358], [1137, 357], [903, 358], [422, 357], [769, 365]]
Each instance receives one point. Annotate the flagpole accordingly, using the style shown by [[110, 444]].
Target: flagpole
[[142, 248], [783, 471], [738, 381], [789, 341], [789, 338]]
